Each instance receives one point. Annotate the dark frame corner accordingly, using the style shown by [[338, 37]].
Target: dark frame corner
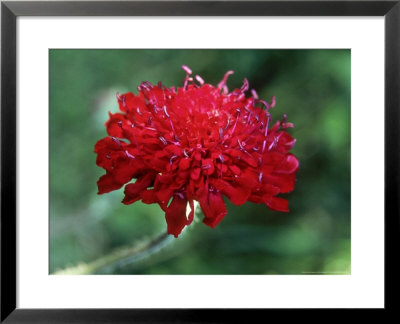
[[10, 10]]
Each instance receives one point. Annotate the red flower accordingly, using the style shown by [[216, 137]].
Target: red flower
[[197, 142]]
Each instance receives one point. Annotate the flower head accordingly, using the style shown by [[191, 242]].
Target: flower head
[[199, 143]]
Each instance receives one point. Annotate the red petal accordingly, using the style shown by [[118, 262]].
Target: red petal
[[270, 189], [184, 164], [278, 204], [208, 166], [133, 190], [248, 179], [191, 214], [114, 125], [129, 102], [175, 216], [289, 165], [236, 194], [285, 182], [148, 196], [213, 208], [106, 184], [124, 173], [286, 142], [164, 194], [235, 169], [197, 156], [264, 193], [164, 178], [195, 174], [108, 152], [104, 144], [249, 159]]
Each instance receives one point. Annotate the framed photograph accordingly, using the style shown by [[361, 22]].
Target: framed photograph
[[190, 161]]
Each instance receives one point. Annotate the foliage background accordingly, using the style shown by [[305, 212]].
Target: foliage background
[[311, 86]]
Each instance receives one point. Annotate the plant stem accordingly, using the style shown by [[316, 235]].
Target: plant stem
[[122, 256]]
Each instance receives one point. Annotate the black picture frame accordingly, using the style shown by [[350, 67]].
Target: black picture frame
[[10, 10]]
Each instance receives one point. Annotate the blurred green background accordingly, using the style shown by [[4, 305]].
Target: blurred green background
[[311, 86]]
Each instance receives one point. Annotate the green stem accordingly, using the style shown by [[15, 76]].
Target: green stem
[[122, 256]]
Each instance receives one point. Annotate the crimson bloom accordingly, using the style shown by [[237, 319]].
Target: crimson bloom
[[196, 143]]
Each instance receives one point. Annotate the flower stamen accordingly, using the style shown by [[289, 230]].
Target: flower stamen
[[224, 79], [129, 155], [165, 111], [221, 134], [173, 157], [116, 140], [163, 140], [199, 79]]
